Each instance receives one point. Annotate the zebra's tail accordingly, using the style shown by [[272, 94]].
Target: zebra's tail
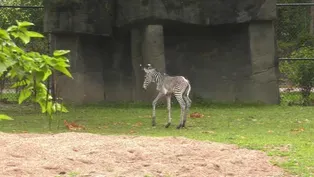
[[188, 90]]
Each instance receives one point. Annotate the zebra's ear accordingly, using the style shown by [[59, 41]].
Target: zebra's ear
[[141, 66], [146, 70]]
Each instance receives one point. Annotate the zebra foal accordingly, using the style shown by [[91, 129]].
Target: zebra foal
[[167, 86]]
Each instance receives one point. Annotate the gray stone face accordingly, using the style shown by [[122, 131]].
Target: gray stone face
[[226, 63], [226, 48], [216, 60], [203, 12], [147, 47], [264, 73], [79, 16]]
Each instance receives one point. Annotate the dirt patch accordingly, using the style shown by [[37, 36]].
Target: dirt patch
[[95, 155]]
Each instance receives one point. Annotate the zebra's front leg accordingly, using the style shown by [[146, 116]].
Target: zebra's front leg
[[169, 110], [154, 108]]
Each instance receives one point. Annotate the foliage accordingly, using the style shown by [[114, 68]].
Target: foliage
[[301, 73], [5, 117], [9, 15], [293, 27], [30, 69], [34, 15]]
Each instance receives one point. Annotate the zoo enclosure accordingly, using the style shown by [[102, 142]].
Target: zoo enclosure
[[294, 28], [295, 41], [8, 16]]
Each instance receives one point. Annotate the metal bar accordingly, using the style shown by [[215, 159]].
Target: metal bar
[[295, 4], [22, 7], [296, 59]]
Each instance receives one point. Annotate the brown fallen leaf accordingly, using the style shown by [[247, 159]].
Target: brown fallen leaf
[[196, 115], [145, 116], [137, 124], [297, 130], [132, 132], [209, 132], [73, 126]]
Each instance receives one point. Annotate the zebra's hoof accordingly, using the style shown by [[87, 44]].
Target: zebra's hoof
[[179, 126], [167, 125]]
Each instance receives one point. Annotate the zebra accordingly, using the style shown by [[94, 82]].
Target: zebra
[[167, 86]]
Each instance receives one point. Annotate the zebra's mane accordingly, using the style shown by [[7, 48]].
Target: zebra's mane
[[162, 73]]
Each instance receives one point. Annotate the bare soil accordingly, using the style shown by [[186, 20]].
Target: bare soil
[[91, 155]]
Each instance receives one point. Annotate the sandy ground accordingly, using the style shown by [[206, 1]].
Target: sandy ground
[[91, 155]]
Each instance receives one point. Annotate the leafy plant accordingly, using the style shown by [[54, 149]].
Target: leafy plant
[[301, 73], [30, 69]]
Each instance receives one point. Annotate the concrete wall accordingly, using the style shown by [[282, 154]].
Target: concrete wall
[[225, 63], [215, 59], [202, 12], [225, 48], [99, 74]]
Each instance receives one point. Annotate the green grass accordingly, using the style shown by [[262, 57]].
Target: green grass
[[285, 133]]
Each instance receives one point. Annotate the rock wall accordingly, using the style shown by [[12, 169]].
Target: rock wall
[[230, 63], [225, 48], [202, 12], [79, 16]]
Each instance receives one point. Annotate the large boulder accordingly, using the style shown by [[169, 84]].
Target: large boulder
[[79, 16], [203, 12]]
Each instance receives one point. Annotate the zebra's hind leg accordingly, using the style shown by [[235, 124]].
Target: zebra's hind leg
[[187, 109], [154, 108], [169, 110], [183, 107]]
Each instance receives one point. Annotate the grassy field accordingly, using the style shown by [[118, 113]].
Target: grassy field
[[284, 132]]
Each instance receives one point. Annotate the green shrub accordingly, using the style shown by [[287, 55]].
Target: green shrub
[[301, 72]]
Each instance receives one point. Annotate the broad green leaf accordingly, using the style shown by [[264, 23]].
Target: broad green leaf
[[18, 50], [2, 67], [49, 107], [58, 53], [5, 64], [26, 39], [33, 34], [5, 117], [63, 64], [42, 104], [39, 75], [3, 56], [25, 93], [35, 54], [12, 28], [63, 70], [59, 107], [25, 57], [4, 34], [20, 83], [24, 24], [47, 73]]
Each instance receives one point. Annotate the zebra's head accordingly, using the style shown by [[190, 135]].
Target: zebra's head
[[149, 75]]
